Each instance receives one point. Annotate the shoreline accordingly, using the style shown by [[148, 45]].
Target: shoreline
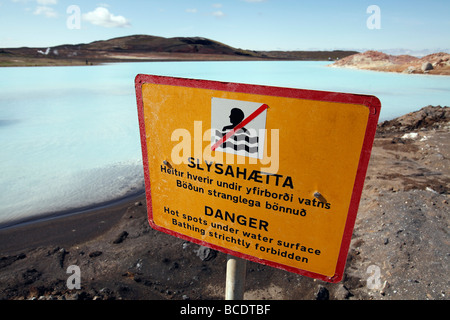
[[47, 216], [432, 64], [76, 63], [65, 228], [427, 74], [62, 63], [106, 62]]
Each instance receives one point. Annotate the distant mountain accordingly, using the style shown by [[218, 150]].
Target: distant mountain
[[145, 43], [150, 48]]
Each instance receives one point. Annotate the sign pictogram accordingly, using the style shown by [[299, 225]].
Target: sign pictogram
[[245, 132]]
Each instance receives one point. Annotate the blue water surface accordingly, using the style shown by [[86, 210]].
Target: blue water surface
[[69, 136]]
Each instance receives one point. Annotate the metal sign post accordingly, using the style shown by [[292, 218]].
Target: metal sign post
[[235, 281]]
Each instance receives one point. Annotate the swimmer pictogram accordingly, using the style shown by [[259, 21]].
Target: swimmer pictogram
[[239, 134]]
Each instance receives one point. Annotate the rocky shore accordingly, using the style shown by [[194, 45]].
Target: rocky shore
[[436, 63], [400, 245]]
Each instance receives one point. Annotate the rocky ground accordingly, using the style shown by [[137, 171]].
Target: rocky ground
[[400, 245], [436, 63]]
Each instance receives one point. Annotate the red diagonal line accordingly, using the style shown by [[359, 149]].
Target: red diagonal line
[[244, 122]]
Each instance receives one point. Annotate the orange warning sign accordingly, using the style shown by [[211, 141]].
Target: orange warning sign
[[269, 174]]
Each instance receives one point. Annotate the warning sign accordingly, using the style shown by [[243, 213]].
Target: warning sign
[[269, 174]]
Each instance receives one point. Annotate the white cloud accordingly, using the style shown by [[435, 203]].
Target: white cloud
[[42, 2], [193, 10], [47, 2], [45, 11], [218, 14], [217, 5], [43, 7], [254, 0], [102, 17]]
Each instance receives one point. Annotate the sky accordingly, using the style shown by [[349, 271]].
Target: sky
[[395, 25]]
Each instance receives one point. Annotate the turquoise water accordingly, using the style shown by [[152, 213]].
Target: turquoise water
[[69, 136]]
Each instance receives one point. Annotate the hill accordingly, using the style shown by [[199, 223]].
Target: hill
[[149, 48]]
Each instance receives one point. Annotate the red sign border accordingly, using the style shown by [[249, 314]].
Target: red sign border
[[372, 102]]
